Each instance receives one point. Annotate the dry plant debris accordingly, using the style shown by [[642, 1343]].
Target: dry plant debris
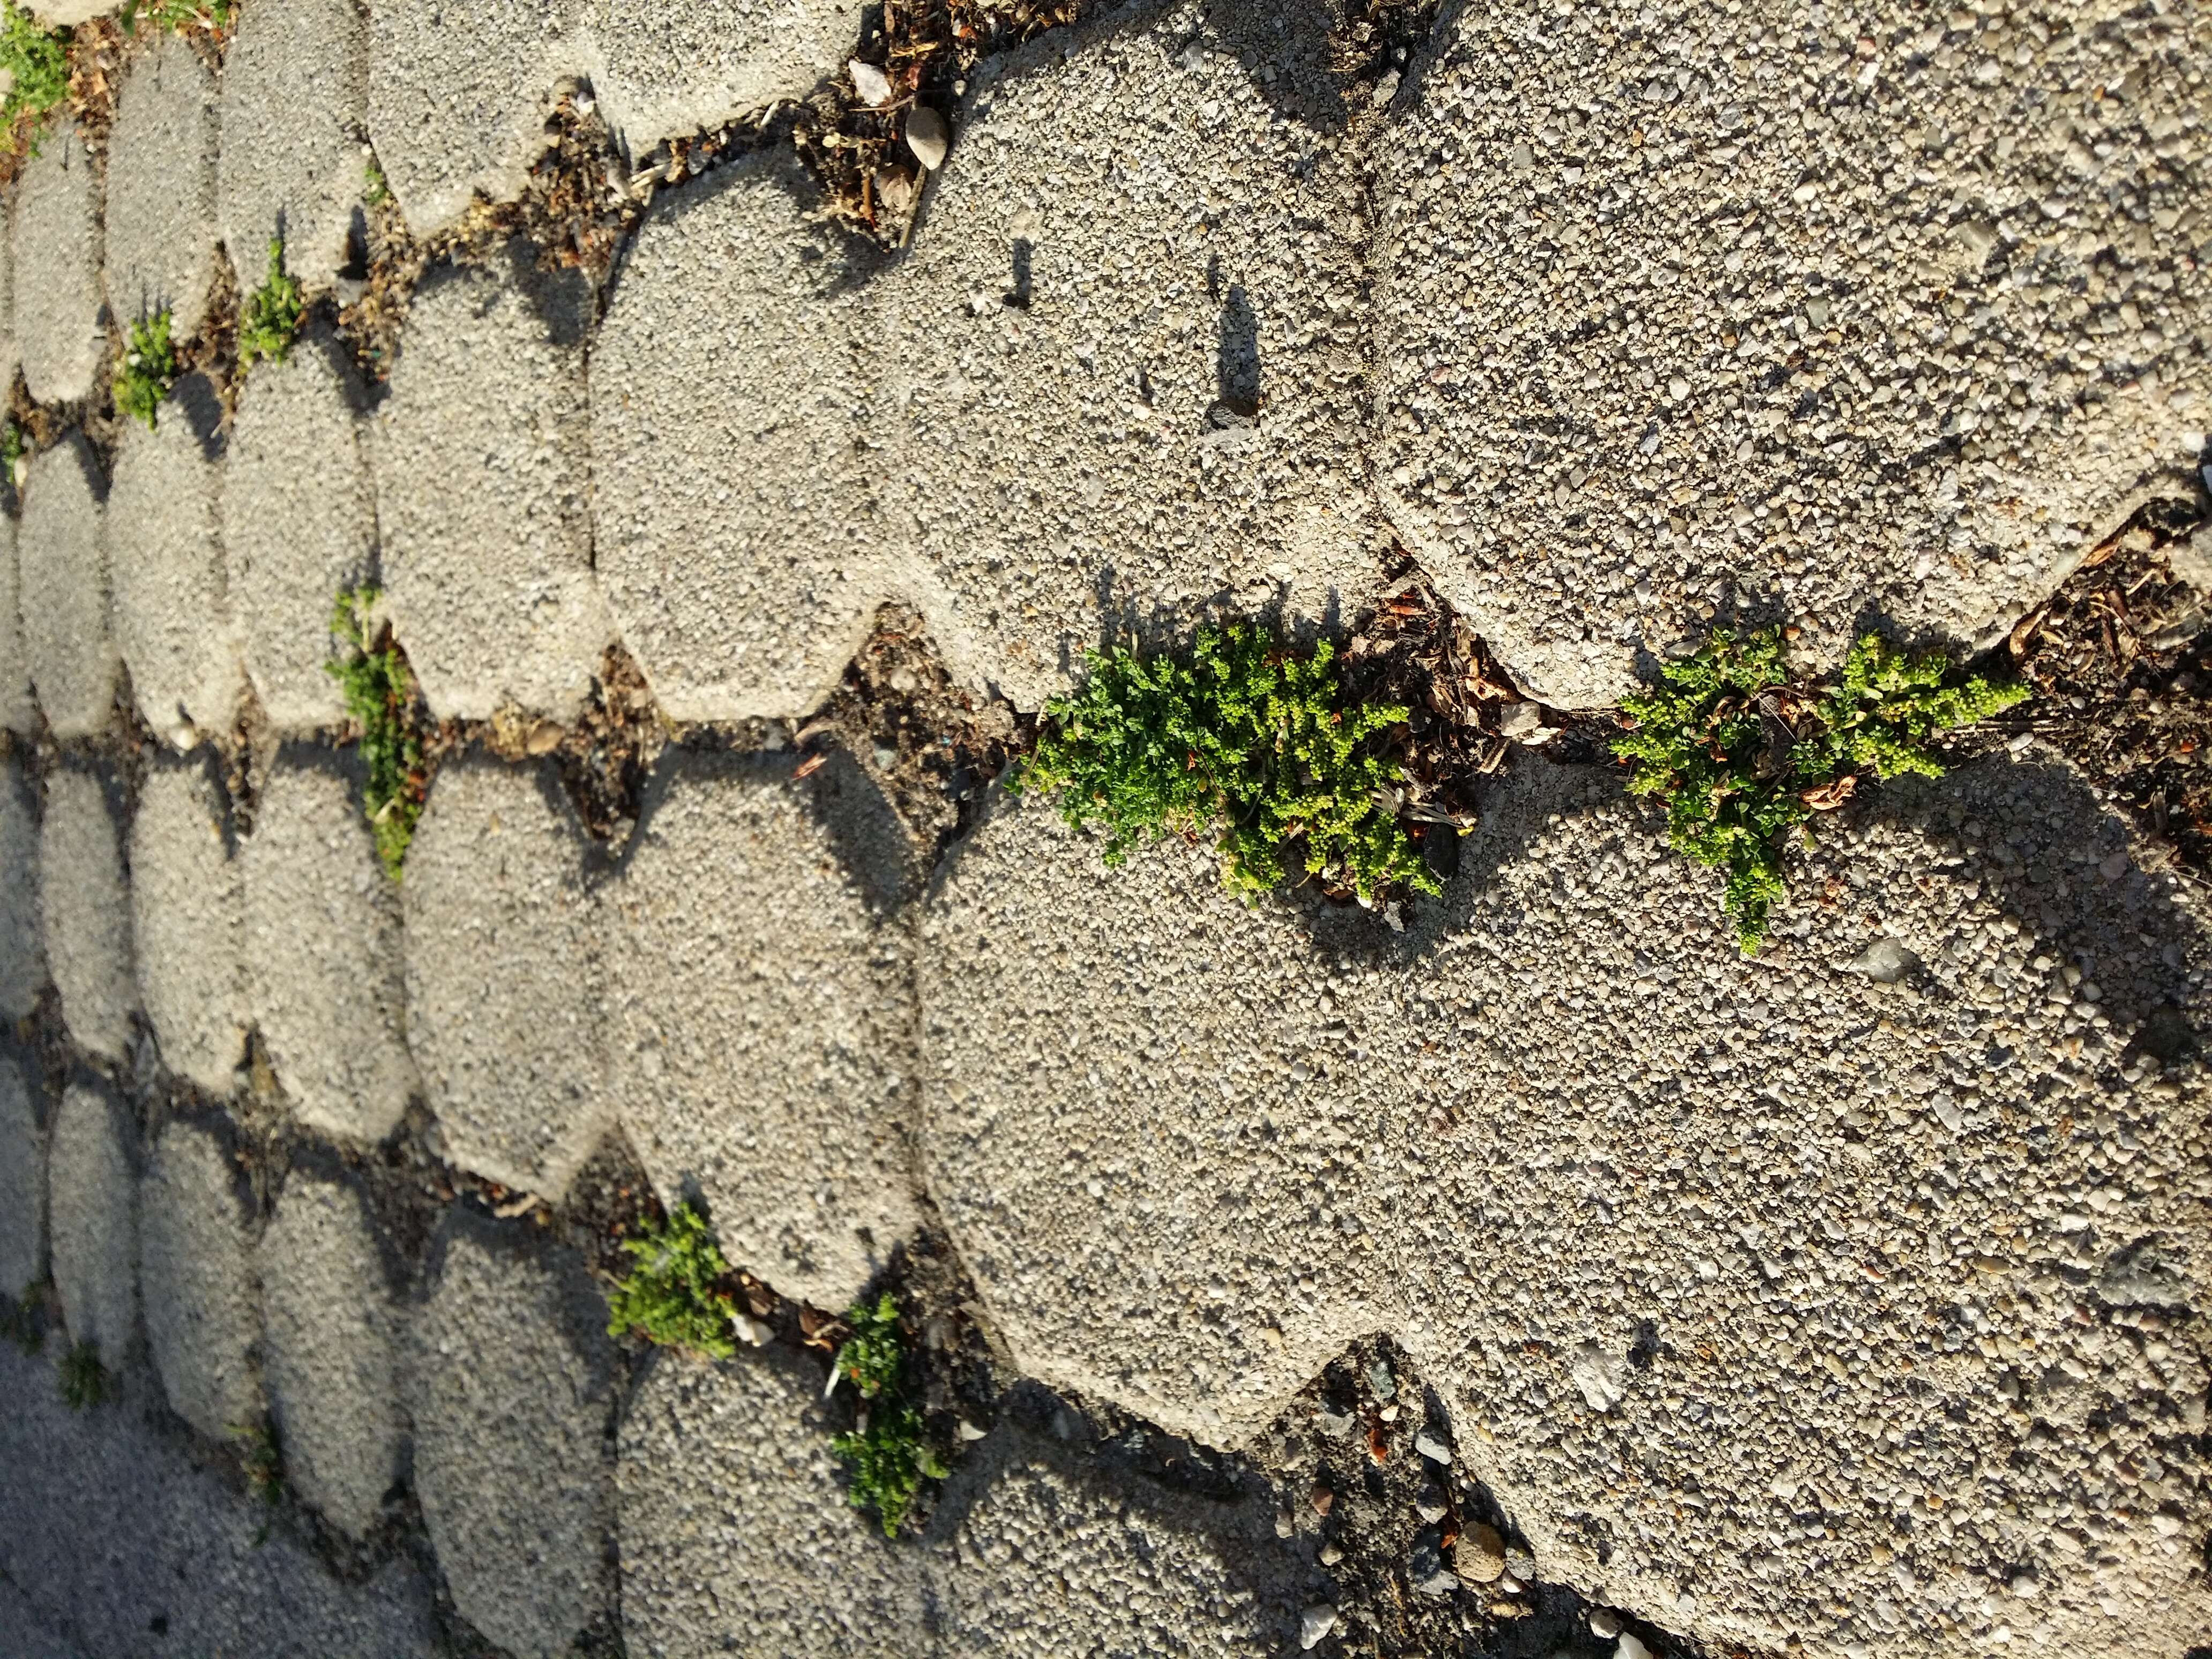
[[604, 756]]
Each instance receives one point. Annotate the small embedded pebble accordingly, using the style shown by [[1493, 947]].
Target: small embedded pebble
[[1431, 1448], [1604, 1622], [1479, 1555], [928, 137], [1315, 1622]]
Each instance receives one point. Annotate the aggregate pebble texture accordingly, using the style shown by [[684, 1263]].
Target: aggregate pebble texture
[[761, 1011], [11, 355], [91, 1222], [160, 219], [1626, 374], [188, 923], [84, 910], [22, 1184], [61, 553], [510, 1385], [196, 1278], [60, 320], [22, 955], [19, 708], [667, 68]]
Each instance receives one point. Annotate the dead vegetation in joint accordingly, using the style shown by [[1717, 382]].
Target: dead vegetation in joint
[[604, 756]]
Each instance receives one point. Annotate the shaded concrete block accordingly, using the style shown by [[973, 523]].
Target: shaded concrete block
[[736, 1534], [482, 474], [23, 954], [94, 1220], [330, 1353], [161, 188], [61, 554], [195, 1276], [666, 68], [299, 525], [737, 514], [504, 996], [188, 922], [295, 98], [22, 1185], [60, 326], [165, 561], [458, 97], [18, 707], [84, 908], [511, 1379], [763, 1018], [324, 970]]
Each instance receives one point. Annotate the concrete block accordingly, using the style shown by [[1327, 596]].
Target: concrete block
[[165, 558], [299, 525], [505, 1010], [60, 324], [295, 103], [763, 1020], [512, 1382], [11, 357], [330, 1353], [19, 707], [188, 922], [482, 474], [325, 974], [22, 1185], [84, 908], [736, 1534], [61, 554], [196, 1277], [94, 1220], [666, 69], [23, 954], [161, 188]]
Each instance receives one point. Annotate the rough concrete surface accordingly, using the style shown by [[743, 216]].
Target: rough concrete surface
[[294, 100], [299, 525], [165, 561], [196, 1278], [1887, 316], [325, 974], [10, 346], [740, 531], [736, 1537], [328, 1352], [61, 554], [666, 68], [33, 1638], [91, 1222], [188, 922], [19, 707], [60, 322], [510, 1385], [160, 188], [22, 1184], [505, 999], [22, 955], [482, 479], [84, 910], [761, 1018]]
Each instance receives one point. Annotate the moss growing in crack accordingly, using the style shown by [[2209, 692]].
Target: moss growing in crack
[[12, 446], [36, 59], [84, 1381], [148, 370], [1742, 756], [262, 1460], [888, 1449], [378, 688], [270, 316], [1248, 741], [375, 188], [23, 1320], [177, 16], [675, 1294]]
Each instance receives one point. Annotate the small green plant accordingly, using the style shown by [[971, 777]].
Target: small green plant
[[23, 1320], [889, 1446], [376, 189], [176, 14], [675, 1295], [148, 370], [378, 688], [1742, 755], [1248, 735], [84, 1381], [264, 1463], [36, 58], [270, 315], [12, 445]]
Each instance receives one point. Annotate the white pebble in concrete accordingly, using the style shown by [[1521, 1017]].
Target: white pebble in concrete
[[330, 1353], [295, 97], [59, 329], [61, 552], [22, 1184], [504, 997], [94, 1220], [324, 975], [160, 188], [84, 905], [669, 67], [22, 956], [482, 474], [188, 922], [195, 1281], [18, 707]]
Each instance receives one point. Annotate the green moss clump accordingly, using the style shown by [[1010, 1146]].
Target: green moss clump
[[37, 59], [148, 370], [270, 316], [378, 688], [84, 1381], [675, 1296], [888, 1450]]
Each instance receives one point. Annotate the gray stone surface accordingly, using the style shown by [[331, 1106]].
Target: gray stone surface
[[295, 98], [740, 528], [164, 560], [61, 554], [505, 997], [459, 94], [512, 1382], [161, 188], [33, 1637], [22, 1185], [60, 331], [196, 1278], [1885, 316], [188, 922], [330, 1353], [762, 1013], [131, 1550], [18, 707], [91, 1222], [11, 346], [299, 524], [736, 1534], [482, 478], [22, 955], [84, 910], [325, 980], [666, 68], [65, 13]]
